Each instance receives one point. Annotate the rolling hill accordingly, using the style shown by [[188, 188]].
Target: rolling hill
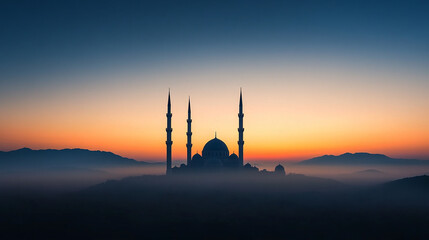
[[360, 159], [26, 158]]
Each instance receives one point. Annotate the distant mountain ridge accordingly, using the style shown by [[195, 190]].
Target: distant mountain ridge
[[360, 159], [28, 158]]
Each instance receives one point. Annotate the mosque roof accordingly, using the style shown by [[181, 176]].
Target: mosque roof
[[215, 145], [197, 156]]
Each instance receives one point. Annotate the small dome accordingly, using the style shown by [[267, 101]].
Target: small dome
[[197, 161], [280, 170], [232, 161], [215, 148], [233, 156], [197, 156]]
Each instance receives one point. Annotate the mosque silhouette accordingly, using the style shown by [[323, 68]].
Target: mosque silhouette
[[215, 155]]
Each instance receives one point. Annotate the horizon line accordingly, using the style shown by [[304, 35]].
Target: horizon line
[[160, 159]]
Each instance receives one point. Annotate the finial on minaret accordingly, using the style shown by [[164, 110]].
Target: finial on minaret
[[215, 134]]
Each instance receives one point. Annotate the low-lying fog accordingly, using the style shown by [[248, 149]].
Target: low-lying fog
[[69, 179], [356, 175]]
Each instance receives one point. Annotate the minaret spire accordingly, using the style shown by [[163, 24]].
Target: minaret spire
[[241, 102], [189, 134], [189, 107], [169, 102], [240, 130], [169, 130]]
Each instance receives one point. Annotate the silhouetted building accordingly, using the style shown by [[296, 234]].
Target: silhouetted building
[[215, 156], [250, 169], [279, 170], [215, 153]]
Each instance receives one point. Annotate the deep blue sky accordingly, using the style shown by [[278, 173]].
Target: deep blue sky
[[47, 35]]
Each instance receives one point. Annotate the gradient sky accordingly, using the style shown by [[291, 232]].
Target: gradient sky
[[318, 77]]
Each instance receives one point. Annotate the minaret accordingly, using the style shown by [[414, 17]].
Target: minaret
[[189, 134], [169, 130], [240, 130]]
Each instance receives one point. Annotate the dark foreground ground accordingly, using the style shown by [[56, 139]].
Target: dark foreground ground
[[222, 207]]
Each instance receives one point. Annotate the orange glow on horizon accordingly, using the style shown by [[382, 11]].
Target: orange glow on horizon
[[293, 116]]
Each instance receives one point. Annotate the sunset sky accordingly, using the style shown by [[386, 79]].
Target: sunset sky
[[318, 77]]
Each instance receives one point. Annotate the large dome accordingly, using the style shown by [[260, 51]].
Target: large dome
[[215, 148]]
